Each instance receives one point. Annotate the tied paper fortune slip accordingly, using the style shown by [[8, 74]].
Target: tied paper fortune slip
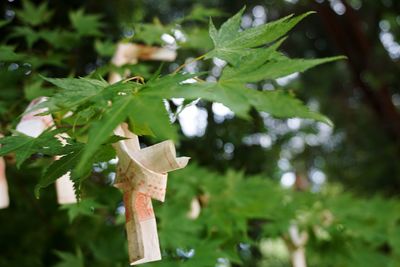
[[142, 175], [129, 53], [33, 124]]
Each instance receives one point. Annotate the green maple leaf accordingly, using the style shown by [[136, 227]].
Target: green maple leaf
[[7, 53], [50, 59], [73, 93], [233, 94], [85, 207], [69, 259], [201, 13], [72, 154], [149, 116], [30, 35], [60, 38], [57, 169], [105, 49], [84, 24], [231, 45], [24, 146], [35, 89], [102, 129], [151, 33], [141, 104], [267, 63], [128, 104], [34, 15], [4, 23]]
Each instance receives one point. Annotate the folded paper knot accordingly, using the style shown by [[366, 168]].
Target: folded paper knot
[[142, 175]]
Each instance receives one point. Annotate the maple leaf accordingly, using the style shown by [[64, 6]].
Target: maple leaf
[[72, 154], [30, 35], [57, 169], [101, 130], [7, 53], [34, 15], [69, 259], [74, 93], [24, 146], [142, 104], [231, 45], [85, 207], [86, 25]]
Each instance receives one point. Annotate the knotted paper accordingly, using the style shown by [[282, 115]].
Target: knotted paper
[[142, 175], [33, 124]]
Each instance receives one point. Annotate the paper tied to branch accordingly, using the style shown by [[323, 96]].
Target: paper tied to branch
[[4, 198], [298, 246], [33, 124], [142, 175], [129, 53]]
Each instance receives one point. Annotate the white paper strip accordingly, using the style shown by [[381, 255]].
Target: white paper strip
[[33, 125], [142, 175], [65, 190], [298, 252], [4, 198], [128, 53]]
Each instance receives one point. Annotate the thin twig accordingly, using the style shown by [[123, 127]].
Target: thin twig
[[187, 63]]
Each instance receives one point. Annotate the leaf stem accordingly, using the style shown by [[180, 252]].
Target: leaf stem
[[187, 63], [136, 78]]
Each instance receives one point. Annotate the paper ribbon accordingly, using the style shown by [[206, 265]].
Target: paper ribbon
[[128, 53], [142, 175], [194, 210], [33, 124], [4, 198], [298, 244]]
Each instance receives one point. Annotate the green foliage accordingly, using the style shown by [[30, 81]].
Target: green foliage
[[150, 33], [232, 44], [7, 53], [86, 207], [106, 48], [24, 146], [240, 213], [34, 15], [142, 104], [70, 260], [200, 13], [85, 25]]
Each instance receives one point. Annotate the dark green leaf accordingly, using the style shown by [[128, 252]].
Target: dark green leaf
[[24, 146], [69, 259], [84, 24], [101, 130], [34, 15]]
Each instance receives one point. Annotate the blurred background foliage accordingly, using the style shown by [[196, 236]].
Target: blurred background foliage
[[253, 179]]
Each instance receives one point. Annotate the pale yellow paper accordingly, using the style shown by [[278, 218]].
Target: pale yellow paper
[[128, 53], [298, 252], [142, 175]]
